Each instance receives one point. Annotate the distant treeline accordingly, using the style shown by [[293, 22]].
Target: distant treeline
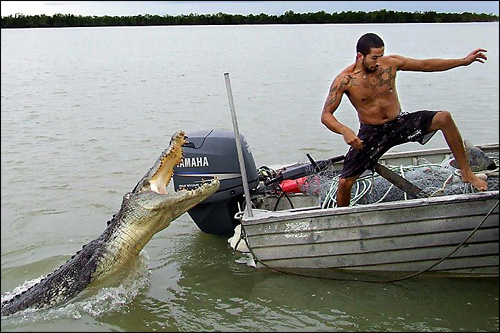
[[289, 17]]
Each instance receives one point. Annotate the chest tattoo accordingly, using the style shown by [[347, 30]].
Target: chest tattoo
[[385, 77]]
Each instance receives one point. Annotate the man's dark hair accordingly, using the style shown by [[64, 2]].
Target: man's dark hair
[[367, 42]]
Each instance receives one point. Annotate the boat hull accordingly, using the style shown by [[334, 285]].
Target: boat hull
[[404, 236]]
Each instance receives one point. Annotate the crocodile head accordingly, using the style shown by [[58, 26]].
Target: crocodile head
[[150, 199]]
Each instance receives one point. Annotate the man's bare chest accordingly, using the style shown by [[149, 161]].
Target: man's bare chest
[[373, 85]]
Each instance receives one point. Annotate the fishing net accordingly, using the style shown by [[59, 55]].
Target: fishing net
[[434, 180]]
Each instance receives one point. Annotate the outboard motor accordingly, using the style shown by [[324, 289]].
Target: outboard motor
[[209, 154]]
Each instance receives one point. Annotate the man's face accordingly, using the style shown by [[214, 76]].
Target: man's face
[[370, 61]]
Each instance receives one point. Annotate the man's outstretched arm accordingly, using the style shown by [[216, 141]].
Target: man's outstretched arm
[[437, 65]]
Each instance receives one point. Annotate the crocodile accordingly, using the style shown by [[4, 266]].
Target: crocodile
[[146, 210]]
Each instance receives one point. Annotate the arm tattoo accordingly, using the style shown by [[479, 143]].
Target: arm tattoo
[[344, 82]]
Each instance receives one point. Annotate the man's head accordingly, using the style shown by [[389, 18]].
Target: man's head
[[367, 42], [369, 48]]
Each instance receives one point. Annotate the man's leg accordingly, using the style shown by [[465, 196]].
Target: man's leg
[[444, 122], [344, 190]]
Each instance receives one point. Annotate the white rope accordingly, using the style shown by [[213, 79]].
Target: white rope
[[363, 185]]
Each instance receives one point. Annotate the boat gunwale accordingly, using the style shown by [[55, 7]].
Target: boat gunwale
[[266, 216], [433, 151]]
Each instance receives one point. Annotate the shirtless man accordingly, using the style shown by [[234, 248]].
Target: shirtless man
[[370, 85]]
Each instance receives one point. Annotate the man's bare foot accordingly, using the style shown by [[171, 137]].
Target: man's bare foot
[[478, 181]]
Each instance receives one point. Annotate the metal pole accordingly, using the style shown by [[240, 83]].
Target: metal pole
[[238, 147]]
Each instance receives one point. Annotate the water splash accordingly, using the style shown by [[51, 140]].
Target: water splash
[[94, 302]]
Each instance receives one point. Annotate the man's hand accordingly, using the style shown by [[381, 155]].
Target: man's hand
[[476, 55], [352, 139]]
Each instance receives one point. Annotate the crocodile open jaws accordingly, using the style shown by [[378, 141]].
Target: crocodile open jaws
[[146, 210]]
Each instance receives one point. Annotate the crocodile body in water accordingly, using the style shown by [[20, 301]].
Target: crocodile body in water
[[146, 210]]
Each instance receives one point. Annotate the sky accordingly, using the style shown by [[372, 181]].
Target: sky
[[129, 8]]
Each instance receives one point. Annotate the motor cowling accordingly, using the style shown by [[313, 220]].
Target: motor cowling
[[209, 154]]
